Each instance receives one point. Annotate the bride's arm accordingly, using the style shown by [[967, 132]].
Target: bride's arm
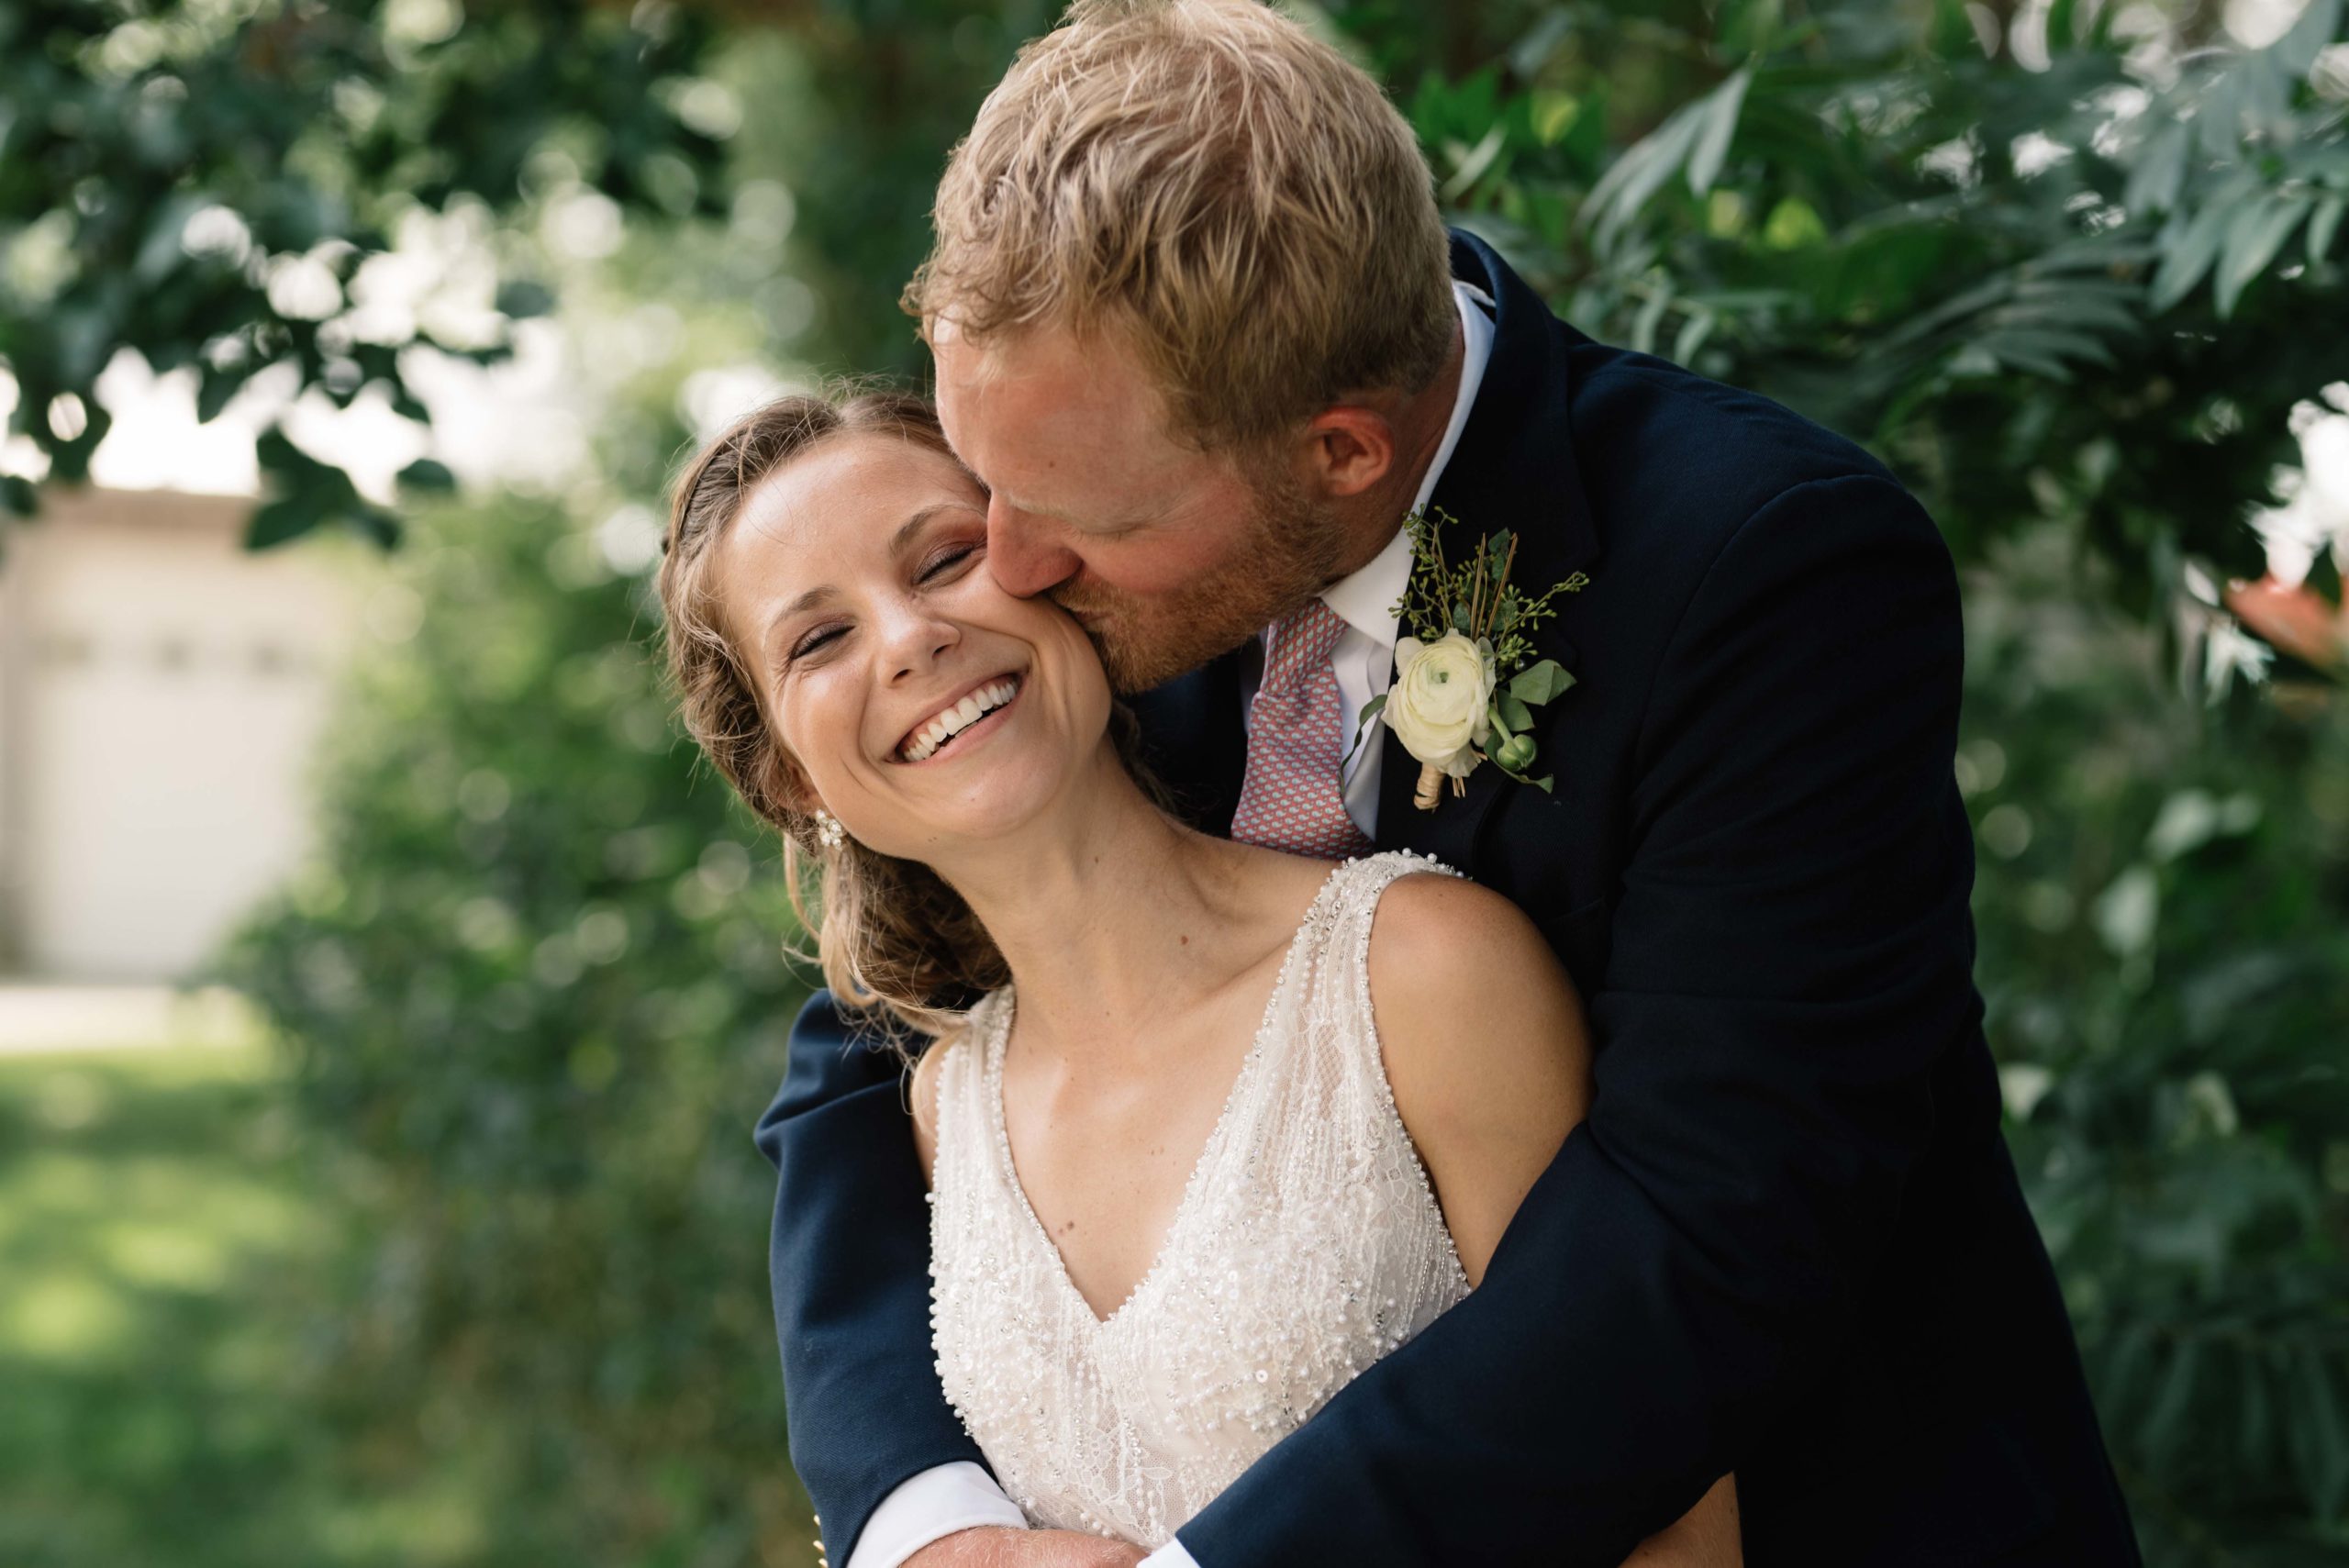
[[1485, 1046], [1488, 1054]]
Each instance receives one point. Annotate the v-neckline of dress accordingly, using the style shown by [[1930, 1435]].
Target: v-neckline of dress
[[1007, 1168]]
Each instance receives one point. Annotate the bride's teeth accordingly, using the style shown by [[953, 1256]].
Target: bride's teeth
[[961, 716]]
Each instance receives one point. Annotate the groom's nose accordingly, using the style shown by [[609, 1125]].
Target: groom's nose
[[1024, 550]]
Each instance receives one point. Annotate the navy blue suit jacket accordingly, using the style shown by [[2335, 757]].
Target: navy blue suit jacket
[[1788, 1240]]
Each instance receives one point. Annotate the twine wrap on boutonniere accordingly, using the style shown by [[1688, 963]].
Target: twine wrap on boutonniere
[[1463, 691]]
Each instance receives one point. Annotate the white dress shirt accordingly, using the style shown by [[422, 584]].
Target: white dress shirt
[[1364, 657], [963, 1495]]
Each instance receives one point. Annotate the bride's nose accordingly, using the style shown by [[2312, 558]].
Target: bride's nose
[[913, 638]]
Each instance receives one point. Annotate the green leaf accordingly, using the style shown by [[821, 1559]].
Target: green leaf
[[2253, 240], [1512, 708], [1554, 115], [1370, 712], [2321, 1434], [2159, 174], [279, 521], [521, 297], [1692, 335], [2163, 1425], [1720, 114], [1650, 319], [1499, 721], [1469, 164], [2188, 250], [2295, 53], [215, 389], [1643, 171], [2255, 1433], [2323, 223], [1540, 683], [425, 474]]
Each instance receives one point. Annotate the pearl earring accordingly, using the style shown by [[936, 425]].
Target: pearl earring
[[829, 834]]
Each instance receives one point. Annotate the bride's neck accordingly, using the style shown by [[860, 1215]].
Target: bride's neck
[[1093, 904]]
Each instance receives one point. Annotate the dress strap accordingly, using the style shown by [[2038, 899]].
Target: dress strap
[[1340, 984]]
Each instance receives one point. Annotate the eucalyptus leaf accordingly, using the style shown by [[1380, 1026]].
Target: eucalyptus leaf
[[1368, 716]]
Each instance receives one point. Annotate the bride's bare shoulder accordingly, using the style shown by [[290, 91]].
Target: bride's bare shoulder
[[1432, 929]]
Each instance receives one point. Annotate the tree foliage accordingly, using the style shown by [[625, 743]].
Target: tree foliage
[[2049, 268], [204, 181], [532, 993], [2067, 283], [2162, 906]]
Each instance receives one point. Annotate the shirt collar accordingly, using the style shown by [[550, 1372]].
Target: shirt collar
[[1366, 600]]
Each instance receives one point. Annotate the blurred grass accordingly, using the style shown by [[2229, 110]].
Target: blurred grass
[[158, 1249]]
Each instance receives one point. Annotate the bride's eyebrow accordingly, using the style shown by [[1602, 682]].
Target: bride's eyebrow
[[807, 601], [900, 541]]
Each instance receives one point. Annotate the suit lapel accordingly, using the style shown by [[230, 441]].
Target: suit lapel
[[1514, 468], [1195, 740]]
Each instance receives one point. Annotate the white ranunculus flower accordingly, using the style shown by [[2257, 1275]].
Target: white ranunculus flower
[[1439, 700]]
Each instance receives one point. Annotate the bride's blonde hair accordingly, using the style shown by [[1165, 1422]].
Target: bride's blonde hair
[[891, 936]]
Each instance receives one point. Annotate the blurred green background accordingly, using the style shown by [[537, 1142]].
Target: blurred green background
[[457, 1257]]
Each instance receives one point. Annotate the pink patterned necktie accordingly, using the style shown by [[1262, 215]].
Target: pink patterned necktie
[[1294, 798]]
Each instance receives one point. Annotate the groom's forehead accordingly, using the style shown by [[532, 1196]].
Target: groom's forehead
[[1048, 384]]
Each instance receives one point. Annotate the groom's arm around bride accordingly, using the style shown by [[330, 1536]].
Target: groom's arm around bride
[[1788, 1242]]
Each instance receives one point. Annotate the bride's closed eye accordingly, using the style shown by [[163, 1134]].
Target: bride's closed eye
[[946, 565], [948, 561], [815, 641]]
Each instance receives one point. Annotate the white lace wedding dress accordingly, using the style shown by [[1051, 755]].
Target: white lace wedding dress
[[1306, 1245]]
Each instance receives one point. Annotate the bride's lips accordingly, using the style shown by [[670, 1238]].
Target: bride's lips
[[978, 729]]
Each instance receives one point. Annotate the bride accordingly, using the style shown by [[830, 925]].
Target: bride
[[1209, 1127]]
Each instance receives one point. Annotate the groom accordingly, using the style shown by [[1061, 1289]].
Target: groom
[[1199, 329]]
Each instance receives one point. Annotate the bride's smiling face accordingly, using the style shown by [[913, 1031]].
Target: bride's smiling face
[[924, 705]]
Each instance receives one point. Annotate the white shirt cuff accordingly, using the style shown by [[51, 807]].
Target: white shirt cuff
[[1170, 1555], [930, 1506]]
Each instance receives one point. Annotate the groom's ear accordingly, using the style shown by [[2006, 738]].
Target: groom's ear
[[1348, 448]]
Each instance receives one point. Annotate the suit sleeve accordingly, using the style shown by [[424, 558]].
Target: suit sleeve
[[849, 1260], [1792, 952]]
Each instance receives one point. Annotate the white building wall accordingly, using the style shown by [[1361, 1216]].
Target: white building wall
[[160, 691]]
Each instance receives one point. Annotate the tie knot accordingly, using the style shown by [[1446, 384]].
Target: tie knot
[[1301, 644]]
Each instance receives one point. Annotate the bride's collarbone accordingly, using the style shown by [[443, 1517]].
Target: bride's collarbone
[[1108, 1130]]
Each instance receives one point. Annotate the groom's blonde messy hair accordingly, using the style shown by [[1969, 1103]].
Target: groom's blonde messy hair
[[1217, 186]]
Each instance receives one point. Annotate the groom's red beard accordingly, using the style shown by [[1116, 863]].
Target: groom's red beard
[[1287, 553]]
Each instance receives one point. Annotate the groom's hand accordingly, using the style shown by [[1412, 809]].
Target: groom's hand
[[992, 1547]]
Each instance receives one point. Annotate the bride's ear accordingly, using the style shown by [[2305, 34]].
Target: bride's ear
[[1348, 448], [780, 780]]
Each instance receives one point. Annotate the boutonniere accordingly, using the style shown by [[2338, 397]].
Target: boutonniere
[[1463, 691]]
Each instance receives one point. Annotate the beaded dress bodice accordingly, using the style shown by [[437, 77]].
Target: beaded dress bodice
[[1306, 1245]]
